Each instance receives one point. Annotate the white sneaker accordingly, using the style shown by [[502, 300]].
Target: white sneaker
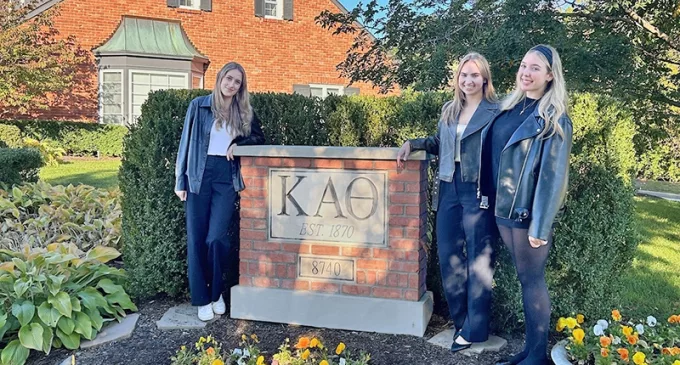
[[205, 312], [219, 307]]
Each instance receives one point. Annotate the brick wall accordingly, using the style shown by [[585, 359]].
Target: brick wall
[[397, 271], [275, 53]]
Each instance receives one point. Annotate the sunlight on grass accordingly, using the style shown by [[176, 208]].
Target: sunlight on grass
[[98, 173], [652, 285]]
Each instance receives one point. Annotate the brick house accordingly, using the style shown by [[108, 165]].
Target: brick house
[[144, 45]]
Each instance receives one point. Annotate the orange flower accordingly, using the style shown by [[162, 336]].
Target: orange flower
[[673, 319], [623, 353], [605, 341], [210, 351], [303, 343], [604, 352], [675, 351], [632, 340], [666, 351], [616, 315]]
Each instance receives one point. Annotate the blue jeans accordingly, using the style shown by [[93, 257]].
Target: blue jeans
[[209, 215], [465, 237]]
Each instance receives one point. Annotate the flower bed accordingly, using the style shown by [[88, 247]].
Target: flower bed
[[619, 341], [307, 351]]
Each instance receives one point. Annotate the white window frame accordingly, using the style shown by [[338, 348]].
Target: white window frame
[[324, 89], [130, 72], [279, 10], [196, 5], [100, 95]]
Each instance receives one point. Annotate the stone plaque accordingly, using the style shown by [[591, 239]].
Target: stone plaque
[[326, 268], [339, 206]]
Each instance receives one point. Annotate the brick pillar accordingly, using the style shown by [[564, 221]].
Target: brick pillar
[[315, 244]]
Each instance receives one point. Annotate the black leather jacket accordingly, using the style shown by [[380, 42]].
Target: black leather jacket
[[470, 147], [533, 175]]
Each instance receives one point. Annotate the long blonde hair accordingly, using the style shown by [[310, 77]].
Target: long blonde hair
[[453, 108], [554, 102], [239, 113]]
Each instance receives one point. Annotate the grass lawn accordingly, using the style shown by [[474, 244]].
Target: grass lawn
[[653, 283], [98, 173], [660, 186]]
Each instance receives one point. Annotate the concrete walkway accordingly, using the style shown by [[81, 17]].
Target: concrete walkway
[[667, 196]]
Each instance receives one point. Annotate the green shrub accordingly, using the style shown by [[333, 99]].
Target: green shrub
[[38, 215], [154, 228], [51, 155], [76, 138], [595, 241], [10, 136], [19, 165], [54, 297]]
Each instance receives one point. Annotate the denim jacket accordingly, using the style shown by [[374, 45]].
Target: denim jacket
[[193, 147]]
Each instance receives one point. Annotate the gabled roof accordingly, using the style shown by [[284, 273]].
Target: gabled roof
[[149, 38]]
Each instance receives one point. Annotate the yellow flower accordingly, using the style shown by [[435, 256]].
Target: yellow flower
[[260, 360], [217, 362], [244, 337], [340, 348], [677, 362], [579, 335], [305, 355], [580, 318], [571, 323], [254, 338], [639, 358], [323, 362], [314, 343], [561, 323], [628, 331], [616, 315], [202, 339], [183, 348]]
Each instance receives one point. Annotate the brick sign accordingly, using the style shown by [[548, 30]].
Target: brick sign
[[328, 206]]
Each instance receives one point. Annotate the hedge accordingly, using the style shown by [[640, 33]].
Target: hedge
[[599, 215], [76, 138], [19, 165]]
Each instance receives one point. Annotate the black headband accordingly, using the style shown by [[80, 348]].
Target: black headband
[[546, 52]]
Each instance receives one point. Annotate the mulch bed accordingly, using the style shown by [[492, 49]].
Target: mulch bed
[[148, 345]]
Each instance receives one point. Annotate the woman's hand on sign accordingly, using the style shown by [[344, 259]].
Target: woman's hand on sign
[[230, 152], [181, 194], [403, 153]]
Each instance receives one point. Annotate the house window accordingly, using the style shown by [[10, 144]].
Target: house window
[[190, 4], [323, 91], [273, 9], [144, 82], [111, 97]]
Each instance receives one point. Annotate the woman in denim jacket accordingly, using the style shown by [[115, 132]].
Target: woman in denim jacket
[[463, 216], [208, 179]]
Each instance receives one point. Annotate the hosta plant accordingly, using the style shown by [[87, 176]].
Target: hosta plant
[[57, 296], [40, 214]]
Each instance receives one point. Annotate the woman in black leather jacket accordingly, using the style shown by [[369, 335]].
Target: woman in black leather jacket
[[526, 160], [461, 221]]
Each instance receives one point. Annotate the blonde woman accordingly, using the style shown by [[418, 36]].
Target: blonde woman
[[526, 154], [208, 179], [463, 217]]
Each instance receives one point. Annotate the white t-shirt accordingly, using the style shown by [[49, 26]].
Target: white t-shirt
[[459, 134], [219, 140]]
